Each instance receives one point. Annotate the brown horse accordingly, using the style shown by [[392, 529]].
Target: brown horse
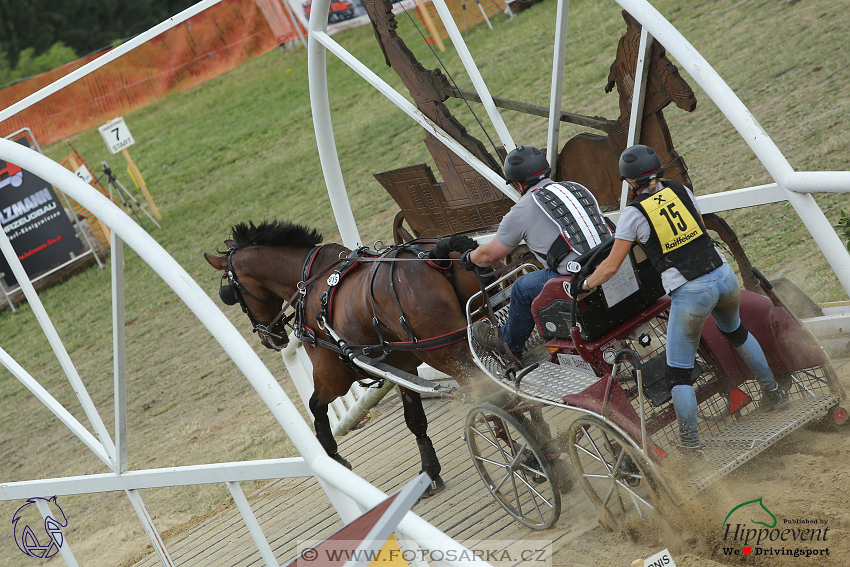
[[408, 299], [592, 160]]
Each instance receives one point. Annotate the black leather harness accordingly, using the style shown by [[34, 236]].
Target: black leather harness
[[324, 316]]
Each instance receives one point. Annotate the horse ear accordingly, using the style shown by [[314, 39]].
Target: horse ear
[[230, 244], [217, 262]]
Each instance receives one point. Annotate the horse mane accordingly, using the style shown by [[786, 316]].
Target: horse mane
[[275, 233]]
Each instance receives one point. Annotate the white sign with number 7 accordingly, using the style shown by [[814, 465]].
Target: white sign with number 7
[[117, 135]]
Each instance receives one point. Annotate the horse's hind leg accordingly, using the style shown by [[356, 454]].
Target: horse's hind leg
[[319, 409], [414, 416]]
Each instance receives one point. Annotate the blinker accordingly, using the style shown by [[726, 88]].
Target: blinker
[[227, 293]]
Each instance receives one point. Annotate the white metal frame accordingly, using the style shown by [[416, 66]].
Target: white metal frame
[[349, 494], [791, 186]]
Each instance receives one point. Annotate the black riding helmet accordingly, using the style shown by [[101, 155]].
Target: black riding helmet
[[640, 163], [526, 164]]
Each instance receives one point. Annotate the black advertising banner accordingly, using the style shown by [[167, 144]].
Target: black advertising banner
[[34, 220]]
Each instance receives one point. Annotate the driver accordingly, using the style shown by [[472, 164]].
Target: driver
[[665, 218], [558, 221]]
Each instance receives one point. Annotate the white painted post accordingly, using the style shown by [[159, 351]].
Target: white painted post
[[253, 525], [402, 103], [557, 90], [474, 75], [47, 325], [638, 98], [149, 527], [65, 548], [54, 406], [119, 354], [323, 125]]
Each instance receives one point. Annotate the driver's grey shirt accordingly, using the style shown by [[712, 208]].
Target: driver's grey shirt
[[633, 226], [526, 221]]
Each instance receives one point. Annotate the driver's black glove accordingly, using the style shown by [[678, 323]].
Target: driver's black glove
[[466, 261], [442, 249], [461, 243], [577, 286], [456, 242]]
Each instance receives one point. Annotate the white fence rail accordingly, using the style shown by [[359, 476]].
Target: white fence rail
[[349, 494]]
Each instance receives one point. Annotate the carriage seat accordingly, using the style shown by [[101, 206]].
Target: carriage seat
[[595, 316]]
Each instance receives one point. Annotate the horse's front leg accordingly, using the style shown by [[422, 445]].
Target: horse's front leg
[[319, 409], [414, 416]]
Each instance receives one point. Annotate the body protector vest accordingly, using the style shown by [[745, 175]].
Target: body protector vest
[[678, 238], [573, 209]]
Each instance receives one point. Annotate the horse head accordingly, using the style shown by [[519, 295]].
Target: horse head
[[261, 269], [664, 83]]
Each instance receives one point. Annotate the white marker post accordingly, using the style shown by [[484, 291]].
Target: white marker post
[[118, 138]]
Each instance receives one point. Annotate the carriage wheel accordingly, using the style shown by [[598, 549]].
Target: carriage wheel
[[513, 467], [614, 474]]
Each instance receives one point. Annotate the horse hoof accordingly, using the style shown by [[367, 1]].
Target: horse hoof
[[341, 460], [437, 485]]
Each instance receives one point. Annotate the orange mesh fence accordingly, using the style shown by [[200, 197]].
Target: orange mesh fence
[[466, 14], [210, 43], [75, 162]]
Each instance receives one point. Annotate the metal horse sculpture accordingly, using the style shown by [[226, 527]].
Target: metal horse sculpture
[[592, 160], [397, 304]]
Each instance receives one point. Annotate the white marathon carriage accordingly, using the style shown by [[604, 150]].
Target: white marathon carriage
[[603, 356]]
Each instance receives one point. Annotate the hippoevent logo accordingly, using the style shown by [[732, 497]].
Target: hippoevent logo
[[750, 528], [34, 543]]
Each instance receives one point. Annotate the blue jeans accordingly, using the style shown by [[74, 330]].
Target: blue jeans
[[715, 293], [520, 322]]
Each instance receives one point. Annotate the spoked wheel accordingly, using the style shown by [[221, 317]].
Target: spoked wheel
[[615, 476], [513, 467]]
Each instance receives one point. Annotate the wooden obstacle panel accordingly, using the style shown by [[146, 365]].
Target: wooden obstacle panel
[[436, 209]]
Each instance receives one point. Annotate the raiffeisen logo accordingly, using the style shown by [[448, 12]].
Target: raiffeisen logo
[[11, 175], [791, 537]]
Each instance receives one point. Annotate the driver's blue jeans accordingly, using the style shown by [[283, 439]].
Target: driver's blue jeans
[[520, 322], [715, 293]]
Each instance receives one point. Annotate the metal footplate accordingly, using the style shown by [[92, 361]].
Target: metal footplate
[[551, 382], [396, 376], [752, 434]]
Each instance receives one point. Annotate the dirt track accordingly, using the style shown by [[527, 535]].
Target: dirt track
[[804, 476]]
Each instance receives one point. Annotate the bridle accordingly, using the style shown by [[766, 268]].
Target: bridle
[[234, 292]]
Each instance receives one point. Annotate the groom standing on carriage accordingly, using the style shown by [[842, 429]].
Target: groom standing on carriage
[[558, 221]]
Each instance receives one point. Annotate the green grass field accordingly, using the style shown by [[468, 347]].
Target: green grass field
[[241, 147]]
